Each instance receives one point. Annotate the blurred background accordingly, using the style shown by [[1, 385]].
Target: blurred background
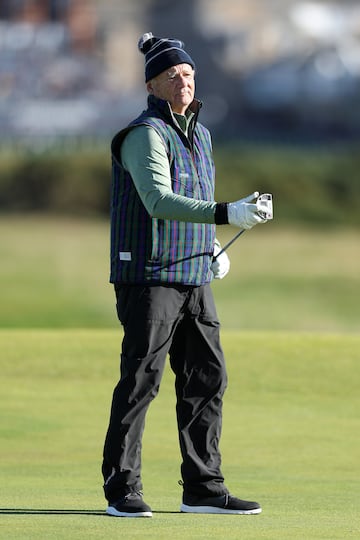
[[280, 83], [284, 69]]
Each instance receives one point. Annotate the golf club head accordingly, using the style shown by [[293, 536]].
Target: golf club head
[[266, 203]]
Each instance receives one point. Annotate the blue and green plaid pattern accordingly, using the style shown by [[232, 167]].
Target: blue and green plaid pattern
[[151, 250]]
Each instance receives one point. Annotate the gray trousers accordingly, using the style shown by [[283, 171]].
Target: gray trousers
[[180, 321]]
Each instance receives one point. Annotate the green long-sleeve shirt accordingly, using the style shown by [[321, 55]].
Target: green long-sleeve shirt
[[144, 156]]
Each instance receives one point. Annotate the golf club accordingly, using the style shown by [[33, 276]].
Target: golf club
[[266, 213], [229, 243]]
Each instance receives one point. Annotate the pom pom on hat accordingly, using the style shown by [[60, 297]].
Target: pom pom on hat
[[161, 54], [145, 42]]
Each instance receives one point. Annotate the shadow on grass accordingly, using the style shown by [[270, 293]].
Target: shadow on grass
[[50, 511], [64, 512]]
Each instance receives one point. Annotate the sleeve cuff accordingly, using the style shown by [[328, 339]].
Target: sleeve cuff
[[221, 214]]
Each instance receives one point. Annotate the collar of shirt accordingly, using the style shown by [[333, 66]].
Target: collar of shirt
[[184, 120]]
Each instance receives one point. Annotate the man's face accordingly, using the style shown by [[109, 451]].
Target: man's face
[[175, 85]]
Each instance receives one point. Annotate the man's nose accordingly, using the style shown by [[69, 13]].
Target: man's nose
[[182, 79]]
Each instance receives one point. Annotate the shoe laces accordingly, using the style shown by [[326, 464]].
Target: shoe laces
[[134, 495]]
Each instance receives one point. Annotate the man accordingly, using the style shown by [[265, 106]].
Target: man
[[162, 247]]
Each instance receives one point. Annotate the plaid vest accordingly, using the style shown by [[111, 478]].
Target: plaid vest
[[150, 250]]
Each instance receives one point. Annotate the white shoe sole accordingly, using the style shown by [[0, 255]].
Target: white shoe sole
[[111, 511], [215, 510]]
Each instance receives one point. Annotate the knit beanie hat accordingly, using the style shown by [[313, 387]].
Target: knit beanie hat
[[161, 54]]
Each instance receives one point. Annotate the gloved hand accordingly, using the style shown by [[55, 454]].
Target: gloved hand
[[221, 265], [244, 214]]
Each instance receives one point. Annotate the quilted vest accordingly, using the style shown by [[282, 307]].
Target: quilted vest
[[146, 250]]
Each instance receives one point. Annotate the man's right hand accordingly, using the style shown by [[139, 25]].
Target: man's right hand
[[243, 213]]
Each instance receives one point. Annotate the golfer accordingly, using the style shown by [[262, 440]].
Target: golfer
[[163, 219]]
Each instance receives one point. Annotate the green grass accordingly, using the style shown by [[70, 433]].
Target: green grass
[[291, 438], [290, 317], [54, 273]]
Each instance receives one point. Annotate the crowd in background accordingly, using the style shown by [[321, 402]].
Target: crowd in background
[[296, 72]]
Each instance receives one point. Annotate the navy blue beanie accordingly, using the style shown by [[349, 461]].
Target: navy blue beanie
[[161, 54]]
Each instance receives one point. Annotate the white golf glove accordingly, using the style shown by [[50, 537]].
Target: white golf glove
[[221, 264], [245, 214]]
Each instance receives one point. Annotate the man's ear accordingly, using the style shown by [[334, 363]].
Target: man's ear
[[149, 87]]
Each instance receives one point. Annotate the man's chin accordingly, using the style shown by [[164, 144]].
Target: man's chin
[[185, 102]]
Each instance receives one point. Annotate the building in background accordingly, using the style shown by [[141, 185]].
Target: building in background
[[274, 69]]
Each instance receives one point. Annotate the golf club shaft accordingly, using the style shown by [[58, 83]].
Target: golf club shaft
[[229, 243]]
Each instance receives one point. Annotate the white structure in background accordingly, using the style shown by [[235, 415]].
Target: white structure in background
[[323, 72]]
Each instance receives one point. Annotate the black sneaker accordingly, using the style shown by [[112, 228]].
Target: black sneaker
[[131, 505], [222, 504]]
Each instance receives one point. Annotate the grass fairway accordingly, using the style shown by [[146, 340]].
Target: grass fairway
[[54, 273], [291, 438]]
